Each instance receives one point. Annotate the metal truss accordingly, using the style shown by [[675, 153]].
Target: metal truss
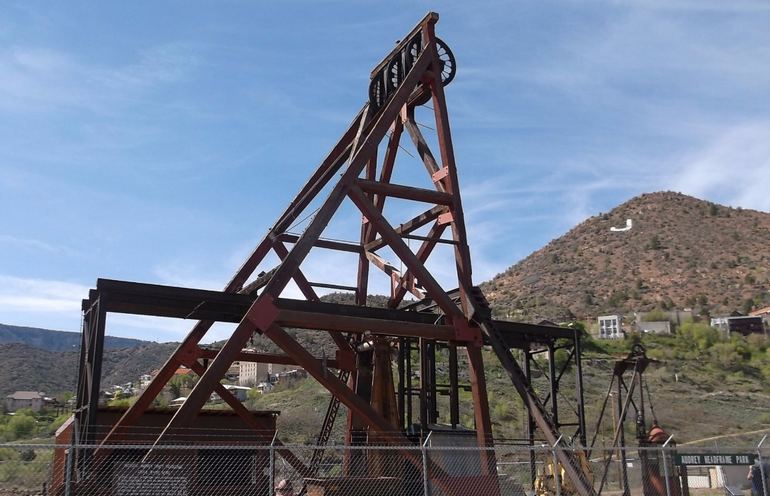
[[413, 74]]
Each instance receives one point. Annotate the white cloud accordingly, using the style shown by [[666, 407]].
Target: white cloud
[[56, 304], [43, 79], [40, 295], [734, 168], [30, 243]]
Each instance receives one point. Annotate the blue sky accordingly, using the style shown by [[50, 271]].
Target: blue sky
[[157, 141]]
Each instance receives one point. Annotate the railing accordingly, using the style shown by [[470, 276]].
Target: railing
[[419, 470]]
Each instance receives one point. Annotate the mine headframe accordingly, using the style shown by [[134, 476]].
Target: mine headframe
[[631, 397], [413, 74]]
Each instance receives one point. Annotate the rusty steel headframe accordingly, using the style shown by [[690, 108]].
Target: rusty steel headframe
[[414, 73]]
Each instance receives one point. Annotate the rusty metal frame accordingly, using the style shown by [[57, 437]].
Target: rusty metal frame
[[349, 171]]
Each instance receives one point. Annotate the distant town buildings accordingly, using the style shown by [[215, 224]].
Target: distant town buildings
[[251, 373], [34, 400], [145, 379]]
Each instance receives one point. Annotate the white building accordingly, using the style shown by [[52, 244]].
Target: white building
[[241, 393], [610, 327], [145, 380]]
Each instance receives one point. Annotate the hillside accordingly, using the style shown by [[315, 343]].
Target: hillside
[[681, 252], [23, 367], [49, 340], [725, 384]]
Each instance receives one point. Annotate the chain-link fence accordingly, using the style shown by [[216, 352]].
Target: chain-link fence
[[416, 470]]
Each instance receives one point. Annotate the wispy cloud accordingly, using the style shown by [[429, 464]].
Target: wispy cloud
[[19, 294], [734, 168], [31, 243], [44, 79], [56, 304]]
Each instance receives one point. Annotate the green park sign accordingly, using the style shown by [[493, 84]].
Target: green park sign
[[711, 459]]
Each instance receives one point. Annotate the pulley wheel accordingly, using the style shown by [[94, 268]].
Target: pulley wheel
[[447, 59], [394, 75], [377, 92]]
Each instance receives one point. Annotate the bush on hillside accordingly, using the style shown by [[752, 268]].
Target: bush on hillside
[[701, 336]]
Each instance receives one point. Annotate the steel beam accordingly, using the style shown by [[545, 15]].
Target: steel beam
[[307, 290], [426, 248], [360, 325], [345, 246], [248, 356], [247, 417], [361, 156], [402, 251], [404, 192], [409, 226], [320, 177], [387, 432]]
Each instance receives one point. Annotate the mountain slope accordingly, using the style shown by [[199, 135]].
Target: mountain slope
[[49, 340], [681, 252], [23, 367]]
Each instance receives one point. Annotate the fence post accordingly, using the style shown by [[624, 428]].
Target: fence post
[[68, 470], [70, 461], [665, 464], [271, 465], [762, 466], [425, 479], [556, 471]]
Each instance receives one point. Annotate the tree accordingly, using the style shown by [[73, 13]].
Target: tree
[[20, 426], [701, 335], [175, 387]]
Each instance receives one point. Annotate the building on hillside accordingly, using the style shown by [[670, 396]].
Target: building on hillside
[[182, 370], [288, 376], [655, 327], [264, 387], [34, 400], [233, 372], [719, 323], [745, 325], [764, 313], [145, 380], [251, 373], [241, 393], [277, 368], [610, 327], [742, 324]]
